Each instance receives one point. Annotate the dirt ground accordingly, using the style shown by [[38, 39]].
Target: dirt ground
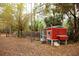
[[13, 46]]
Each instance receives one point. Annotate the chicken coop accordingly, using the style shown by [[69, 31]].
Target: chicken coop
[[56, 34]]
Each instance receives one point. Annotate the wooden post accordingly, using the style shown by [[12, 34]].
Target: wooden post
[[31, 24], [66, 42], [52, 42]]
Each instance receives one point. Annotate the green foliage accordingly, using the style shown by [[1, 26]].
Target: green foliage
[[53, 21], [39, 25], [7, 16], [70, 28], [13, 19]]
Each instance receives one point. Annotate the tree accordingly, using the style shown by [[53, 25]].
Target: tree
[[25, 23], [69, 9], [7, 16], [39, 25], [55, 19], [13, 18], [19, 12]]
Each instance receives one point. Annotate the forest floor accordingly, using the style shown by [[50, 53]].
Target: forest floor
[[13, 46]]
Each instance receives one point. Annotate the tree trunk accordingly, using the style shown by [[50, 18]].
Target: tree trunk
[[75, 23]]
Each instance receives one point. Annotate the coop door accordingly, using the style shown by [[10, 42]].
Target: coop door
[[49, 34]]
